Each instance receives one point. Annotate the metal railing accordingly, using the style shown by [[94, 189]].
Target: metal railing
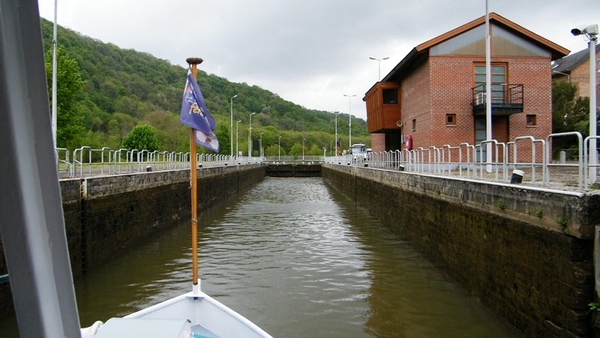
[[86, 161], [294, 159], [525, 153]]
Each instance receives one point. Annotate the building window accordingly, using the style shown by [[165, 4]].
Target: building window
[[531, 120], [390, 96], [499, 81], [450, 119], [414, 124]]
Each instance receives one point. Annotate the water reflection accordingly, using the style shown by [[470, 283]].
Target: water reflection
[[299, 260]]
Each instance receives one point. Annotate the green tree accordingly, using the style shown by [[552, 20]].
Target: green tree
[[315, 150], [68, 86], [296, 150], [222, 133], [563, 97], [568, 114], [142, 137]]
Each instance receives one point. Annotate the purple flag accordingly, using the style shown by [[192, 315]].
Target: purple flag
[[195, 115]]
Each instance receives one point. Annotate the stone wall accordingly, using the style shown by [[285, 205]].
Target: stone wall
[[117, 211], [526, 254], [106, 215]]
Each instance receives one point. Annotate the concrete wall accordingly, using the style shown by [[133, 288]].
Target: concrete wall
[[526, 254], [293, 170], [106, 215], [117, 211]]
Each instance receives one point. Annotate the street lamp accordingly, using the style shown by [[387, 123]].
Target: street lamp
[[237, 138], [260, 148], [279, 143], [231, 127], [336, 135], [379, 62], [349, 96], [303, 149], [591, 33], [250, 136]]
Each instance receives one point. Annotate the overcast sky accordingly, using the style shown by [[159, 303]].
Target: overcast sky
[[310, 52]]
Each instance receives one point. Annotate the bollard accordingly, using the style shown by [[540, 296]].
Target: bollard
[[400, 168], [149, 168], [517, 176]]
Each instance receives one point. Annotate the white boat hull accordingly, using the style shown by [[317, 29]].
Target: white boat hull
[[191, 315]]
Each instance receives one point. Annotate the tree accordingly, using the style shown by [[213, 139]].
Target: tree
[[568, 114], [563, 96], [296, 149], [68, 86], [142, 137], [222, 133]]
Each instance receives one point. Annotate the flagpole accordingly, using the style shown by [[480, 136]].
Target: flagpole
[[194, 62]]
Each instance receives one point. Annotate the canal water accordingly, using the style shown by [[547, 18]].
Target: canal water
[[300, 260]]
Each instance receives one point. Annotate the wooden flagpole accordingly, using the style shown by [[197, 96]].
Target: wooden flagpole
[[194, 62]]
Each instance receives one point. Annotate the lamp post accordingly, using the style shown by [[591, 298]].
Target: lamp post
[[231, 127], [260, 148], [303, 148], [336, 135], [379, 62], [237, 138], [591, 33], [488, 89], [250, 136], [349, 96], [279, 143]]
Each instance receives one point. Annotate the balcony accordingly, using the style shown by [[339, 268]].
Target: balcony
[[507, 99]]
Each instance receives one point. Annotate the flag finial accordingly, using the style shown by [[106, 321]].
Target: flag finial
[[194, 60]]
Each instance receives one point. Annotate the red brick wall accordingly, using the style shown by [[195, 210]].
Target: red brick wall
[[416, 104], [451, 82], [378, 142], [536, 75]]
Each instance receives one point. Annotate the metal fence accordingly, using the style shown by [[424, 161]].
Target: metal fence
[[527, 154], [294, 159], [87, 161]]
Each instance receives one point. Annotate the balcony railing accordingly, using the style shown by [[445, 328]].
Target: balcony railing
[[507, 99]]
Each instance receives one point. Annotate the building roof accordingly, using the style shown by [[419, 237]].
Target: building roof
[[572, 61], [420, 53]]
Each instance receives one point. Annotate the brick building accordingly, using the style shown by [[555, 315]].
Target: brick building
[[436, 94]]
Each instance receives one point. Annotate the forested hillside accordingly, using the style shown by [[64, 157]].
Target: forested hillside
[[119, 89]]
